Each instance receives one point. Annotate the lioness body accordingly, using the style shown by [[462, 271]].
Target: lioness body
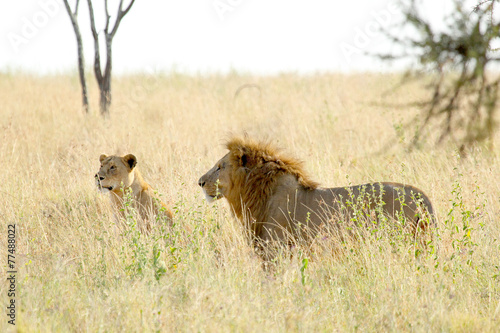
[[119, 176], [274, 198]]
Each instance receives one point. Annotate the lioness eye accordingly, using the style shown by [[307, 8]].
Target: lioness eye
[[113, 167]]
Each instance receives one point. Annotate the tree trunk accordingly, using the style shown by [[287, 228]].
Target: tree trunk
[[104, 103], [104, 80], [81, 61], [81, 71], [105, 85]]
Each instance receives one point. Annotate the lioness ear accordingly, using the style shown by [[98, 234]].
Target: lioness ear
[[130, 160], [102, 157]]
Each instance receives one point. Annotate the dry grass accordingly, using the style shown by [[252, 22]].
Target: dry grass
[[78, 273]]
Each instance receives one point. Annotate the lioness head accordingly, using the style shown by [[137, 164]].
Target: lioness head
[[115, 172]]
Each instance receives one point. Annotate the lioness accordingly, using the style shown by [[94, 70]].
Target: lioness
[[273, 197], [118, 175]]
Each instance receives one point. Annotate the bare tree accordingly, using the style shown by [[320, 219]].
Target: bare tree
[[104, 80], [73, 15]]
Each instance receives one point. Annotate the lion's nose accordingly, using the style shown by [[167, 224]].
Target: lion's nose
[[201, 182]]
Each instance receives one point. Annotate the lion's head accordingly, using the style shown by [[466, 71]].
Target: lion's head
[[216, 181], [248, 174], [115, 172]]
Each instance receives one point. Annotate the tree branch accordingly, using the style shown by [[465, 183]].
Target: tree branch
[[120, 15], [106, 28], [128, 8], [70, 13]]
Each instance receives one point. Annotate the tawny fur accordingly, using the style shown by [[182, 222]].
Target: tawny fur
[[275, 199], [118, 175]]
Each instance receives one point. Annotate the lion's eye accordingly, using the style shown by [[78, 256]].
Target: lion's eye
[[112, 167]]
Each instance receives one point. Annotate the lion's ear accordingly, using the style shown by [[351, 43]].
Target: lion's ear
[[102, 157], [238, 154], [244, 158], [130, 160]]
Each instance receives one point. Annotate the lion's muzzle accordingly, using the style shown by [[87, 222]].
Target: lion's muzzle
[[210, 197], [201, 182]]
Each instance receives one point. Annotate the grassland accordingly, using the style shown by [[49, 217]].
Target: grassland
[[78, 272]]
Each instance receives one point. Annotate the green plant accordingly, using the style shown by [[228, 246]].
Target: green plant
[[137, 262], [460, 223], [303, 275]]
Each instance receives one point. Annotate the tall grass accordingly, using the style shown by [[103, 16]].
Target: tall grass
[[80, 271]]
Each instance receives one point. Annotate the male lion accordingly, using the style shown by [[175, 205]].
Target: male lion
[[119, 176], [273, 197]]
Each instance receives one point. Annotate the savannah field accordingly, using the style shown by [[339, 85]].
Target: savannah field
[[78, 271]]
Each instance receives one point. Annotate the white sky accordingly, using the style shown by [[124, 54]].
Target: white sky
[[258, 36]]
